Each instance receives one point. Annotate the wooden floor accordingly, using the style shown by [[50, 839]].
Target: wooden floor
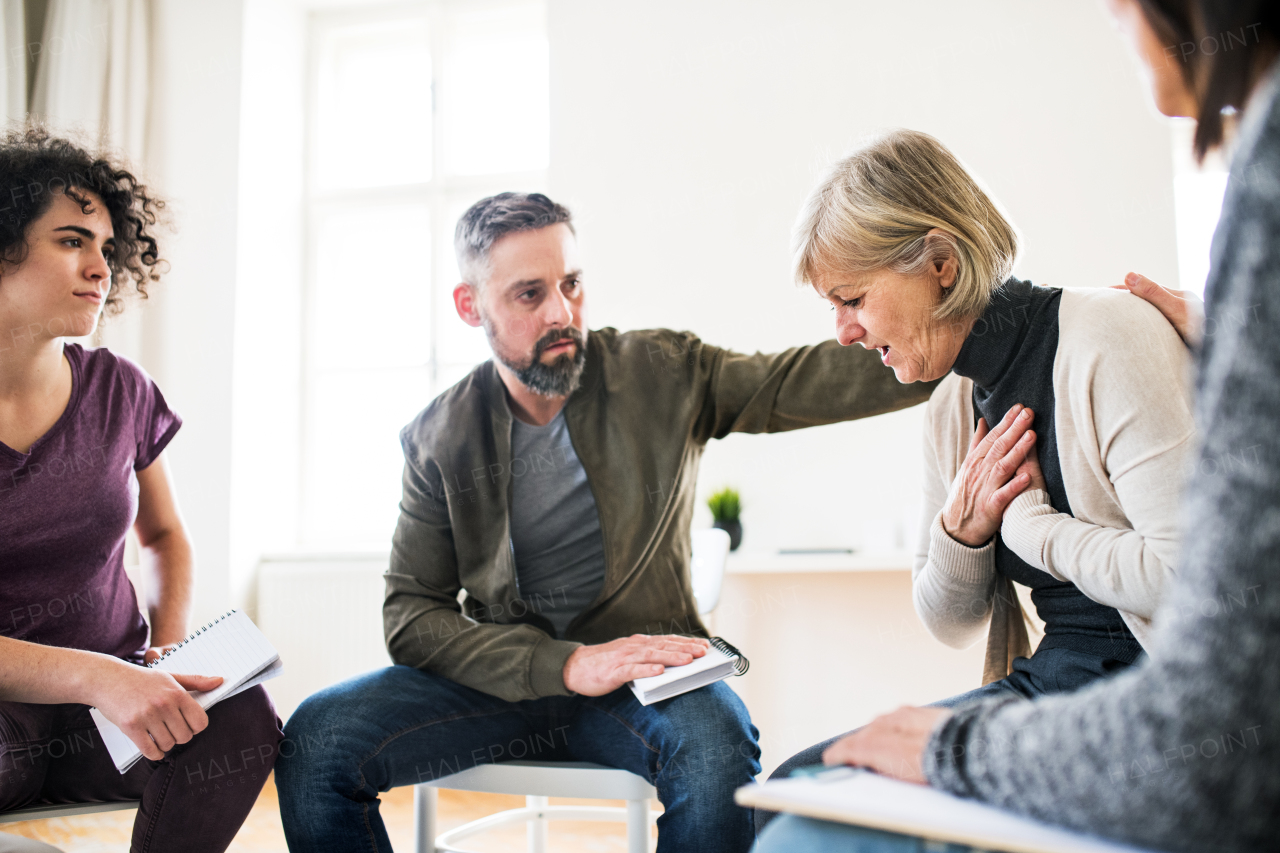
[[262, 833]]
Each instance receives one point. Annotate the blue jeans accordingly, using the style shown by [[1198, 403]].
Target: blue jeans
[[794, 834], [399, 726]]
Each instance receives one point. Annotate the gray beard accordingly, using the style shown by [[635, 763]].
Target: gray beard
[[557, 379]]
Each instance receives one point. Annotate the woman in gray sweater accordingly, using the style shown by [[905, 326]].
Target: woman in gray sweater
[[1179, 754]]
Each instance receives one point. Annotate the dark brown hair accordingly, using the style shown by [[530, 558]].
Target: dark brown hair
[[1223, 47], [37, 166]]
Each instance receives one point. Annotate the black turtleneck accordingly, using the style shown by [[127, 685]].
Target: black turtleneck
[[1009, 356]]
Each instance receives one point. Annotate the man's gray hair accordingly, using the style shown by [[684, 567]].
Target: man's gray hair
[[496, 216]]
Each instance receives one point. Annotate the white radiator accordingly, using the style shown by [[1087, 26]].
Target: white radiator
[[324, 616]]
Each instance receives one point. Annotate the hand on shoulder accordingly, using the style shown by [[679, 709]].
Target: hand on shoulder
[[1182, 308]]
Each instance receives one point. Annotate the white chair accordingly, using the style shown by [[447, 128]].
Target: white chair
[[538, 780], [706, 568]]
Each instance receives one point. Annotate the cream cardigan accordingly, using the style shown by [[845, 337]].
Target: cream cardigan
[[1124, 434]]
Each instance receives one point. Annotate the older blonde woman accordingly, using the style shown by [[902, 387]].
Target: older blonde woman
[[915, 258]]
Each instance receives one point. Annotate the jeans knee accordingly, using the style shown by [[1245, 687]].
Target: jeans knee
[[739, 749], [718, 745], [729, 726], [310, 737]]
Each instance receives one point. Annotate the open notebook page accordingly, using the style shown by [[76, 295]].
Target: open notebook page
[[231, 647]]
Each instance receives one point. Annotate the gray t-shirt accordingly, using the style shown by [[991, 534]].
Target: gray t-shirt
[[555, 528]]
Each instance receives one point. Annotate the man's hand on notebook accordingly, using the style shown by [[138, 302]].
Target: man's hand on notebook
[[153, 707], [603, 668], [892, 744]]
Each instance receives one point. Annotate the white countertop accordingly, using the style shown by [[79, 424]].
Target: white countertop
[[771, 562]]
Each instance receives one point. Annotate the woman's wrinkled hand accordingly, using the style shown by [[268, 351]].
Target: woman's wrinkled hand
[[990, 478], [1182, 308], [892, 744], [1031, 467]]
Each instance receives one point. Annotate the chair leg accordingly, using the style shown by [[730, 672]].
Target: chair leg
[[424, 819], [638, 826], [537, 826]]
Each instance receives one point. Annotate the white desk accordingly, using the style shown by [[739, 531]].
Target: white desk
[[833, 640]]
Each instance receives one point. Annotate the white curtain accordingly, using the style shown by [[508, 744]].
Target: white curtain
[[92, 83], [92, 77], [13, 74]]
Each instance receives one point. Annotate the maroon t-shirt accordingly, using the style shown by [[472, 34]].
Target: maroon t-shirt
[[66, 505]]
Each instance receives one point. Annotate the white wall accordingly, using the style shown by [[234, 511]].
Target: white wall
[[220, 332], [187, 346], [686, 134], [268, 317]]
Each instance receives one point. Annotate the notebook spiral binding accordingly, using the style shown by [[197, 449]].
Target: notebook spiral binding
[[197, 632], [740, 662]]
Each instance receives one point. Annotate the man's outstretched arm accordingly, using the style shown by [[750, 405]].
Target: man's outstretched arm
[[800, 387], [827, 382]]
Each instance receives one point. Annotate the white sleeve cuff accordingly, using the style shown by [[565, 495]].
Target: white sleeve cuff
[[1027, 522], [959, 561]]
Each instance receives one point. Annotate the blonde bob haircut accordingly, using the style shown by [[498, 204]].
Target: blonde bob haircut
[[875, 208]]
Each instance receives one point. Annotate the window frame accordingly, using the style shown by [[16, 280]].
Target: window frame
[[438, 194]]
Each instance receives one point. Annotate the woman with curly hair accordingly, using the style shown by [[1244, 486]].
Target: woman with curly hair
[[82, 440]]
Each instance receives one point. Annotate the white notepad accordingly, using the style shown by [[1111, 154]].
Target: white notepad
[[230, 646], [863, 798], [721, 661]]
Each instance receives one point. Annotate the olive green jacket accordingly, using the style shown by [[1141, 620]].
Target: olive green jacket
[[647, 404]]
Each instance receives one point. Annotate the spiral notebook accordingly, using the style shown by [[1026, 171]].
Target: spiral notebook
[[721, 661], [230, 646]]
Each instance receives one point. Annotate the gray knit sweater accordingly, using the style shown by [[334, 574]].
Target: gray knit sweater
[[1182, 754]]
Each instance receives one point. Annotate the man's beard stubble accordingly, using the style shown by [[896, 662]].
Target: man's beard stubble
[[557, 379]]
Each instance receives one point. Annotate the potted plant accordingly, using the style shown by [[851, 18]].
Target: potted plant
[[726, 507]]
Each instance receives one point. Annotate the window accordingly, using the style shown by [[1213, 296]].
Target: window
[[1197, 203], [415, 112]]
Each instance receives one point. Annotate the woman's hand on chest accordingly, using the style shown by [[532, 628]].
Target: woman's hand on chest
[[1000, 465]]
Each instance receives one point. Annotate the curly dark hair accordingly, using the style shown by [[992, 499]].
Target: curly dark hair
[[37, 166]]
